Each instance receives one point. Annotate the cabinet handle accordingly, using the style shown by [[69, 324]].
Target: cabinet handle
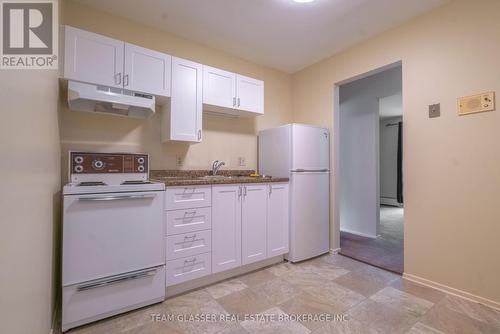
[[239, 191], [270, 190], [244, 190], [234, 102], [118, 78], [238, 101], [125, 80], [199, 134]]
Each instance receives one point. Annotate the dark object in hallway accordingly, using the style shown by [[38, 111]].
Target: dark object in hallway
[[400, 163], [386, 251]]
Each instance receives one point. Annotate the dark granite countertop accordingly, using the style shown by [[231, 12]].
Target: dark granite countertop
[[175, 178]]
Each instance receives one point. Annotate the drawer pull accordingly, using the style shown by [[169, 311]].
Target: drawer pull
[[192, 261], [186, 237], [117, 279], [189, 213]]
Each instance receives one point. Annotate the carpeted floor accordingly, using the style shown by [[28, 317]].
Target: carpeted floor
[[386, 251]]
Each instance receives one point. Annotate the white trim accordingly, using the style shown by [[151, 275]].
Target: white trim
[[358, 233], [334, 250], [452, 291]]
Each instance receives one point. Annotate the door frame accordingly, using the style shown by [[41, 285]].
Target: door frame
[[335, 148]]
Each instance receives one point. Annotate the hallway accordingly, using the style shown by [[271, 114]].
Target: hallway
[[386, 251]]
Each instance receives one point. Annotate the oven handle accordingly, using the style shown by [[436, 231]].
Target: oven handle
[[117, 279], [116, 198]]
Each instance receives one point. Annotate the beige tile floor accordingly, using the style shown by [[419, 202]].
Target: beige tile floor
[[372, 301]]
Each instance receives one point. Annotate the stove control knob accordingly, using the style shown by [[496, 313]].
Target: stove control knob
[[78, 169], [98, 164], [140, 168], [78, 159], [140, 160]]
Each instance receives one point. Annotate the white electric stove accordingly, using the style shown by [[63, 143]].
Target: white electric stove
[[113, 237]]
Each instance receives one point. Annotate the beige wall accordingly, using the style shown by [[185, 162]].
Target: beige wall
[[452, 163], [29, 199], [223, 138]]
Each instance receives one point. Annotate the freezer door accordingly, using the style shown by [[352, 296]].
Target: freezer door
[[310, 148], [309, 215]]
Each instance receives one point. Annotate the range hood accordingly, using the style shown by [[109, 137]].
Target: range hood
[[103, 99]]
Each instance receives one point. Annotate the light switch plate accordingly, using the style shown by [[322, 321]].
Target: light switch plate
[[242, 162], [434, 110], [476, 103]]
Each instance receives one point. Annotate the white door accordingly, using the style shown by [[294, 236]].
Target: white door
[[277, 219], [309, 215], [93, 58], [226, 227], [147, 71], [111, 234], [310, 148], [250, 94], [219, 87], [186, 101], [254, 223]]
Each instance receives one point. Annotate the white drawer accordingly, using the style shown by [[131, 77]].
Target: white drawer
[[189, 220], [188, 268], [188, 197], [188, 244], [98, 299]]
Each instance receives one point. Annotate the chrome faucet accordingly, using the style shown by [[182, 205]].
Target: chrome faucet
[[216, 166]]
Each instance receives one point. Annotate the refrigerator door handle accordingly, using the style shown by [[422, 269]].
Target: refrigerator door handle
[[311, 170]]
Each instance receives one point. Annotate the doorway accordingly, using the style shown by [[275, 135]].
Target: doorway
[[369, 159]]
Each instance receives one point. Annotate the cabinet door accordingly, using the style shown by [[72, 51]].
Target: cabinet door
[[226, 227], [253, 223], [147, 71], [250, 94], [219, 87], [93, 58], [186, 101], [277, 219]]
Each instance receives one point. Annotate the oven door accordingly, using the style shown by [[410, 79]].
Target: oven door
[[110, 234]]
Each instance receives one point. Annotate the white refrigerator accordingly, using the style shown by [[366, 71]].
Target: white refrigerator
[[301, 152]]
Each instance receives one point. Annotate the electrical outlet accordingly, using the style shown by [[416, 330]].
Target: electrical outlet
[[434, 110], [178, 160], [242, 162]]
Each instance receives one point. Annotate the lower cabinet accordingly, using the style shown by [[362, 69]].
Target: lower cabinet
[[249, 223], [254, 223], [277, 219], [230, 226], [226, 227]]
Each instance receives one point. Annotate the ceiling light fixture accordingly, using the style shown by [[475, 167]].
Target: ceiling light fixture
[[303, 1]]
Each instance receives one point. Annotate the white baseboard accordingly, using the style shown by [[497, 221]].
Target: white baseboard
[[358, 233], [334, 250], [452, 291]]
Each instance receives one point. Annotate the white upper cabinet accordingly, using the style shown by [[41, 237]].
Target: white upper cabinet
[[277, 219], [230, 93], [250, 94], [254, 223], [101, 60], [147, 71], [185, 121], [226, 227], [93, 58], [219, 87]]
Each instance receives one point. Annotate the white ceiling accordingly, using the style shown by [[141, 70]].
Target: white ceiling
[[391, 106], [281, 34]]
